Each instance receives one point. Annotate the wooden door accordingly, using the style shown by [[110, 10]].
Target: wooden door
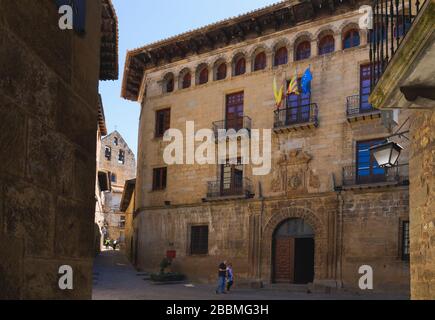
[[284, 260], [234, 111]]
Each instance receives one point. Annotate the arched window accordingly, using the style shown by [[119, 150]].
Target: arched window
[[260, 61], [351, 39], [203, 76], [326, 45], [240, 67], [187, 81], [221, 72], [281, 56], [303, 50], [170, 84]]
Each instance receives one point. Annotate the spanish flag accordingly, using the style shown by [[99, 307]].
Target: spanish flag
[[293, 87], [278, 94]]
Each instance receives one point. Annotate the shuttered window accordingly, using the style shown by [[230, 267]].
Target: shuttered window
[[159, 178], [163, 121], [199, 240]]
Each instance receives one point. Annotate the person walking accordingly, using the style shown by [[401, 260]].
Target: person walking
[[222, 274], [230, 276]]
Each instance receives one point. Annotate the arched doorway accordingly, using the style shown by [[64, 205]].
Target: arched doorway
[[293, 252]]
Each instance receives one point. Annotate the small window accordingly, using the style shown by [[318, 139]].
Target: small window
[[113, 177], [303, 50], [121, 157], [351, 39], [203, 76], [326, 45], [170, 85], [199, 240], [163, 121], [187, 81], [281, 56], [260, 61], [159, 178], [221, 72], [122, 222], [108, 153], [115, 141], [405, 241], [240, 67]]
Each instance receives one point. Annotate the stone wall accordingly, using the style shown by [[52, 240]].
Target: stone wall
[[48, 105], [422, 204], [366, 233], [371, 233]]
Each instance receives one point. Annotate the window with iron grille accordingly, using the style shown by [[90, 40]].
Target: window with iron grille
[[159, 178], [199, 240], [405, 240], [163, 121]]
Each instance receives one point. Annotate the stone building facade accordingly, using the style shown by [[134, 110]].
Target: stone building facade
[[49, 108], [325, 209], [118, 161]]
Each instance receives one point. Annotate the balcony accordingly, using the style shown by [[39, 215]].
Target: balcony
[[227, 189], [360, 178], [239, 123], [357, 111], [402, 47], [392, 21], [296, 118]]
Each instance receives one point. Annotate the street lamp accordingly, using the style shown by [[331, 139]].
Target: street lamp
[[387, 154]]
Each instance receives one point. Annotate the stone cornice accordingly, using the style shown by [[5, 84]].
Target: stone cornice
[[274, 18]]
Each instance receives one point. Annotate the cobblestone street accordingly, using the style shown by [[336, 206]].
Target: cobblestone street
[[116, 279]]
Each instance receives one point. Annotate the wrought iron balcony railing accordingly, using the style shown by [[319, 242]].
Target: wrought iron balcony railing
[[293, 116], [354, 106], [230, 187], [238, 123], [392, 20], [353, 175]]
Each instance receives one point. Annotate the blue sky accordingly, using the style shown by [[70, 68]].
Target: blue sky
[[145, 21]]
